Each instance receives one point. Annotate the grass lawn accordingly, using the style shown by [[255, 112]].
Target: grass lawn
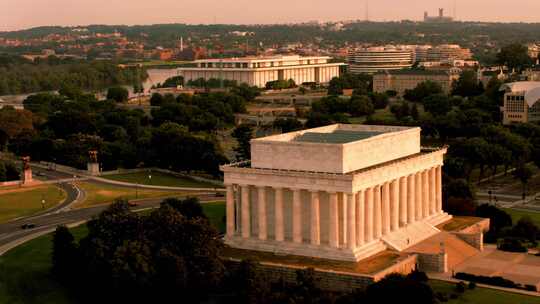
[[97, 194], [25, 276], [21, 202], [482, 295], [159, 179], [517, 214], [24, 271], [215, 211]]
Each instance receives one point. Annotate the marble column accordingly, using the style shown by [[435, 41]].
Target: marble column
[[333, 230], [394, 205], [360, 218], [438, 176], [246, 220], [411, 199], [432, 191], [230, 210], [418, 201], [403, 201], [425, 194], [369, 214], [315, 232], [279, 224], [297, 217], [377, 214], [261, 210], [351, 221], [343, 223], [386, 217]]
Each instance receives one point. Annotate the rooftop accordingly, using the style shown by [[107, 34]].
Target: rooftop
[[416, 72], [336, 137], [337, 148]]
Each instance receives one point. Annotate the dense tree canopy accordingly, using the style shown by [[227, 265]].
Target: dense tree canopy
[[22, 76]]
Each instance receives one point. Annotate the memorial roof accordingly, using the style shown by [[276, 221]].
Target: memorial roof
[[336, 137]]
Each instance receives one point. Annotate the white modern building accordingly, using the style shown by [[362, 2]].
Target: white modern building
[[377, 59], [341, 192], [521, 102], [257, 71]]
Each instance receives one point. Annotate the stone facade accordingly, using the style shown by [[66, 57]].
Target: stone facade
[[337, 281], [433, 262], [375, 204]]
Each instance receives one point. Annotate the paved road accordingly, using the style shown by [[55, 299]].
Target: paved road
[[12, 232]]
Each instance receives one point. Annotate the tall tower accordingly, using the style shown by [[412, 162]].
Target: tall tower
[[441, 12], [367, 10]]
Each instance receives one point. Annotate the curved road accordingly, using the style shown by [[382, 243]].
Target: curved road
[[11, 234]]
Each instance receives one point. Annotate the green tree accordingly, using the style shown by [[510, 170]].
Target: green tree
[[361, 105], [288, 124], [190, 207], [156, 100], [437, 104], [423, 90], [467, 85], [64, 254], [515, 56], [523, 173], [243, 135], [118, 94]]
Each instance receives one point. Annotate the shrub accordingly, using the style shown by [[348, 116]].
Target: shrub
[[441, 297], [472, 285], [460, 287], [530, 288], [495, 281], [512, 245]]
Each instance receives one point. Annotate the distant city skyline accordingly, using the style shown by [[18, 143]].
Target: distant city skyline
[[21, 14]]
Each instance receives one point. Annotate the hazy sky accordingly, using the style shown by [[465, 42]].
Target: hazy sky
[[17, 14]]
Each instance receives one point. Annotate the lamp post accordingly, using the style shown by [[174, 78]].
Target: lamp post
[[150, 178], [43, 202]]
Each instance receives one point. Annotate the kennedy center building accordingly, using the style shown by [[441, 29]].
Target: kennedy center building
[[342, 192]]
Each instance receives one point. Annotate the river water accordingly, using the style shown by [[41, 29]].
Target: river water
[[155, 76]]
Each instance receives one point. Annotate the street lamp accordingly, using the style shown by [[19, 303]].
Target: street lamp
[[150, 178], [42, 203]]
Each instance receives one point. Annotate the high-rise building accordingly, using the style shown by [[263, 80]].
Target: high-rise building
[[376, 59], [521, 102]]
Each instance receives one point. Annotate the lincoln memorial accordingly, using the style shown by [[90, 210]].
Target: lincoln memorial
[[341, 192]]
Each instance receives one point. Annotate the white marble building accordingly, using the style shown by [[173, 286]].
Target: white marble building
[[257, 71], [341, 192]]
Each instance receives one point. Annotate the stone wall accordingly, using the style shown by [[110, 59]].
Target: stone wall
[[482, 225], [437, 262], [326, 280], [403, 266], [474, 239], [331, 280]]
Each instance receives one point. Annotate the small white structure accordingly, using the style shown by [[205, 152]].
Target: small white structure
[[342, 192]]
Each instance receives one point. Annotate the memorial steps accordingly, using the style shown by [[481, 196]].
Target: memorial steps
[[409, 235]]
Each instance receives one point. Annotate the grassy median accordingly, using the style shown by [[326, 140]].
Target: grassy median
[[99, 193], [158, 179], [20, 202]]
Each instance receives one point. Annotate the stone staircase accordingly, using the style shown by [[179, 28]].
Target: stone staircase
[[439, 218], [409, 235], [456, 249]]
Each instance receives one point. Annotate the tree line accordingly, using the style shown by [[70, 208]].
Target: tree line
[[19, 75], [179, 135]]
